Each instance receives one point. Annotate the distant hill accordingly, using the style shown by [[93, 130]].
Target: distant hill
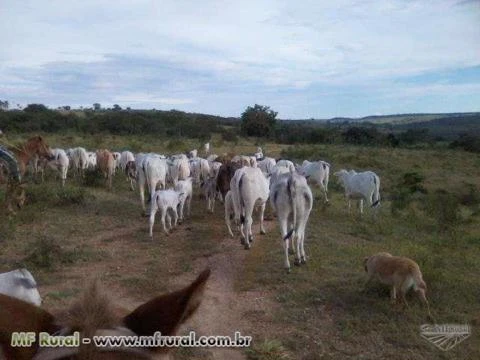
[[449, 126], [398, 119]]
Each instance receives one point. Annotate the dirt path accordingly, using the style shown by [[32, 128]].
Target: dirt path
[[225, 310]]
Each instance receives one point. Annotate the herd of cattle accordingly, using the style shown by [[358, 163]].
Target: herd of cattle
[[241, 182]]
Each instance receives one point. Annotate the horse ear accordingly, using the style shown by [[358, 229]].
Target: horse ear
[[19, 316], [166, 312]]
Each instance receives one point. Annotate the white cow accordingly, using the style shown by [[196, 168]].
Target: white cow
[[286, 163], [278, 171], [91, 160], [259, 154], [199, 170], [292, 200], [151, 170], [214, 168], [212, 157], [266, 165], [362, 186], [178, 168], [184, 187], [21, 285], [60, 163], [125, 157], [116, 160], [248, 187], [319, 172], [192, 154], [164, 200], [79, 159]]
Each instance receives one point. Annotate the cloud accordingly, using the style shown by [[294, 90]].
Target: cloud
[[191, 53]]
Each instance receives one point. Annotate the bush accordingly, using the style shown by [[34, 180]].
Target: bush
[[43, 253], [444, 207], [230, 136], [408, 189]]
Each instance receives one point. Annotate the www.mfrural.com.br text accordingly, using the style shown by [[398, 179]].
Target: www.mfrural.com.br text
[[43, 339]]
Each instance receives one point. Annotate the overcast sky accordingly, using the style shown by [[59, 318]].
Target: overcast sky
[[304, 59]]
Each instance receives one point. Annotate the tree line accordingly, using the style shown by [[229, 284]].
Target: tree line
[[256, 121]]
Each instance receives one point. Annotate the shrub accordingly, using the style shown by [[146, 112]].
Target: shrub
[[229, 135], [408, 189], [444, 207], [43, 253]]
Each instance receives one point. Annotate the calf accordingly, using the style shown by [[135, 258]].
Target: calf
[[184, 187], [292, 199], [131, 172], [362, 186], [20, 284], [164, 200], [210, 190], [229, 211]]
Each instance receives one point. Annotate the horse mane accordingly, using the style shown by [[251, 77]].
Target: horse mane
[[92, 311]]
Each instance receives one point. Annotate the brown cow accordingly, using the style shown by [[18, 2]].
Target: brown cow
[[225, 174], [94, 315], [106, 164]]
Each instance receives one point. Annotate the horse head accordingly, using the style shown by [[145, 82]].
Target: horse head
[[93, 315]]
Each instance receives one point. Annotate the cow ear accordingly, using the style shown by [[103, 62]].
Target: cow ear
[[166, 312], [19, 316]]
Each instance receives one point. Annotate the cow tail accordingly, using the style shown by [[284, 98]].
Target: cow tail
[[292, 195], [240, 198], [376, 194]]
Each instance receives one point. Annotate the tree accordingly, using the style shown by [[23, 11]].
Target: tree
[[97, 106], [33, 108], [258, 121], [116, 107], [4, 105]]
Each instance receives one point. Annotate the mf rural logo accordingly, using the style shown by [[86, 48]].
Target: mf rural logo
[[445, 336]]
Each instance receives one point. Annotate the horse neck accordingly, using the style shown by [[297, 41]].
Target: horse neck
[[23, 157]]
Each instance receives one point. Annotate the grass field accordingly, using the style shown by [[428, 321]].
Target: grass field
[[430, 212]]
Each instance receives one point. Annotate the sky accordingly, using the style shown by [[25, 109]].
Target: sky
[[304, 59]]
